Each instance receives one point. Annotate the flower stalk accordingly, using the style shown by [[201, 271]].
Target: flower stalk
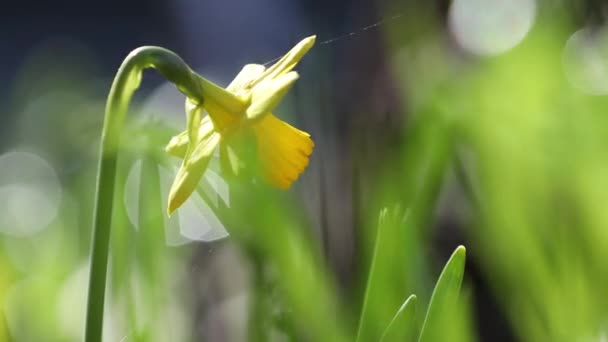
[[127, 80]]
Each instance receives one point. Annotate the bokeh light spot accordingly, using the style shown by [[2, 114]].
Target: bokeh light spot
[[30, 191], [490, 27], [585, 60], [194, 221]]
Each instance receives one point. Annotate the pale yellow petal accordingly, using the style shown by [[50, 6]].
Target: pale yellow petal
[[248, 74], [221, 118], [178, 145], [192, 169], [267, 95], [193, 119], [222, 98], [290, 60]]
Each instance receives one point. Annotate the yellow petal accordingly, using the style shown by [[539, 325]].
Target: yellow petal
[[283, 150], [193, 119], [192, 170], [221, 118], [221, 97], [178, 145], [248, 74], [267, 95], [290, 60]]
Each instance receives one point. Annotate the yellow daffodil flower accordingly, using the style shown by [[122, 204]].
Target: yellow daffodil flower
[[242, 108]]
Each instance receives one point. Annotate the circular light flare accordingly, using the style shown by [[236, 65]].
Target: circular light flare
[[31, 194], [194, 221], [490, 27], [72, 297], [585, 60]]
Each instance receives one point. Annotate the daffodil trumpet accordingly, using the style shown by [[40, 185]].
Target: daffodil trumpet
[[244, 107]]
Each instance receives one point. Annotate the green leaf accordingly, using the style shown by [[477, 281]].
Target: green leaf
[[444, 299], [388, 274], [403, 325]]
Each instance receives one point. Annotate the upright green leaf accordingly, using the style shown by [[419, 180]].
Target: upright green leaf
[[386, 282], [403, 325], [444, 299]]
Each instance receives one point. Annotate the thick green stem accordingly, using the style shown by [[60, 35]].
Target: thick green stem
[[125, 83]]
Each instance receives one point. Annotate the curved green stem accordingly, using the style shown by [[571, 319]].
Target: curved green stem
[[125, 83]]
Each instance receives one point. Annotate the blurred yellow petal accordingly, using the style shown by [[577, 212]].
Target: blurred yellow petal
[[178, 145], [238, 153]]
